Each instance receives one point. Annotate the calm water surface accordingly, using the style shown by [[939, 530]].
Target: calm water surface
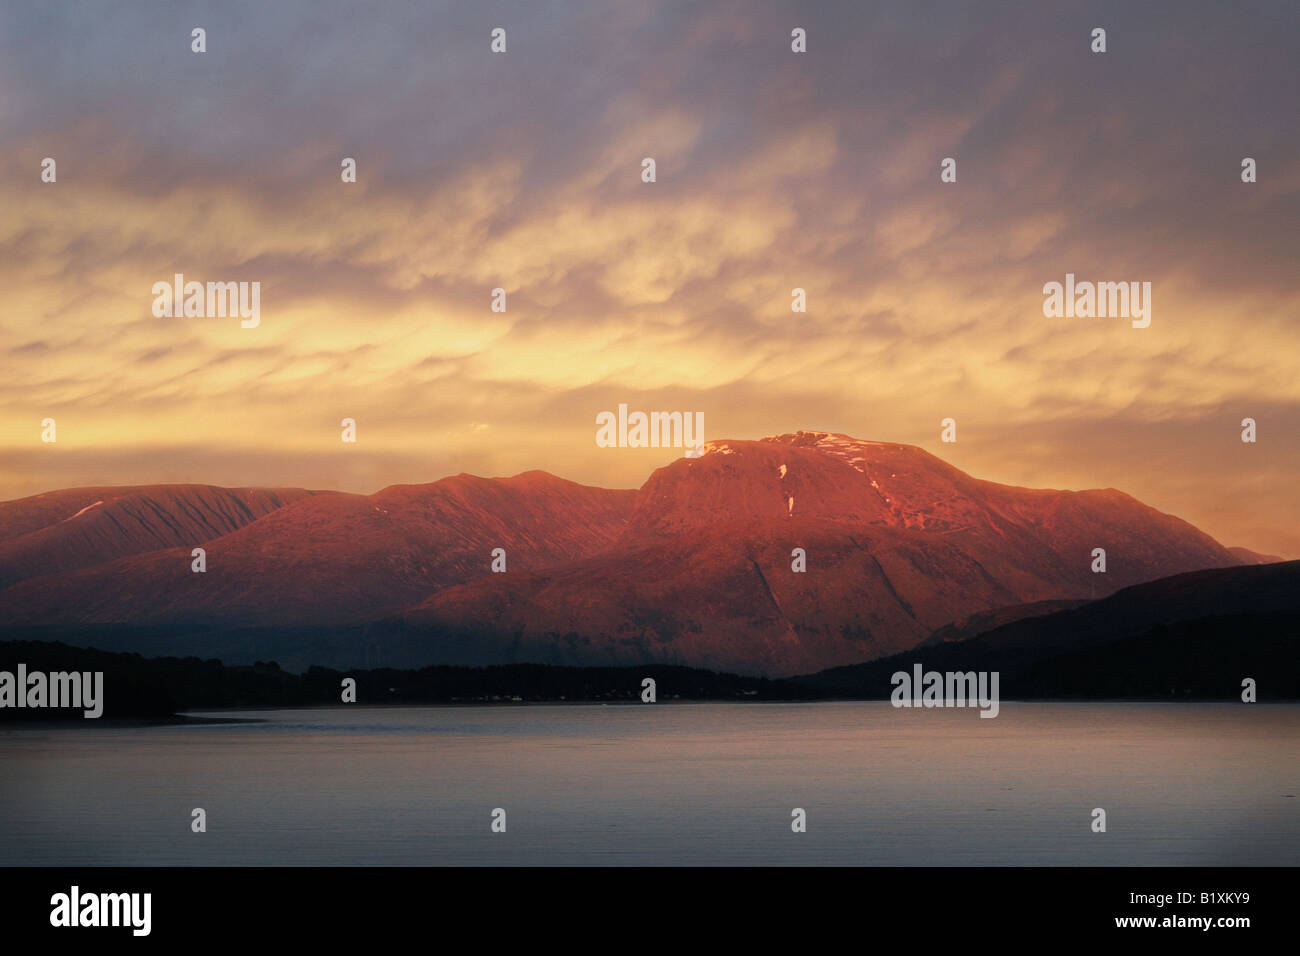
[[1197, 784]]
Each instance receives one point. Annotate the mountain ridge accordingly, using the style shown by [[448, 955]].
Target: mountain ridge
[[779, 555]]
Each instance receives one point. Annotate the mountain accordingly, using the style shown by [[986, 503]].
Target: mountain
[[898, 544], [1190, 635], [1220, 592], [699, 567], [901, 486], [81, 527], [331, 557], [1247, 556], [726, 598], [976, 624]]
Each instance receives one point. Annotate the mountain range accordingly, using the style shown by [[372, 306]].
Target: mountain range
[[781, 556]]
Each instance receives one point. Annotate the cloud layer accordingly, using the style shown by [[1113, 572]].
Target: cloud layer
[[775, 170]]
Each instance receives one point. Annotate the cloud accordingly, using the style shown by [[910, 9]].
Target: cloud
[[775, 170]]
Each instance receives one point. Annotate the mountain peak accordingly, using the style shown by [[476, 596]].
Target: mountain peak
[[845, 447], [855, 452]]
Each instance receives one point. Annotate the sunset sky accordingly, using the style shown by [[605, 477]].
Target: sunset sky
[[775, 170]]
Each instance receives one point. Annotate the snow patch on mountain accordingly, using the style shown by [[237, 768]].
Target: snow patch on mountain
[[83, 511], [850, 450]]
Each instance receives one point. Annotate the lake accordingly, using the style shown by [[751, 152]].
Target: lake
[[664, 784]]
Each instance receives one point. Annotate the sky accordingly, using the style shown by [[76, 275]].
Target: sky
[[774, 170]]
